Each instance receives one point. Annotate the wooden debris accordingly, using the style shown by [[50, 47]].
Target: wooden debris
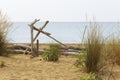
[[40, 30]]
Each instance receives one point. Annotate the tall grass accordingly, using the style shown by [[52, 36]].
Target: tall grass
[[4, 26], [90, 59], [94, 43], [113, 49]]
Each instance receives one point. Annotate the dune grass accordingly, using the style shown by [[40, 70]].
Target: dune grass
[[113, 49], [93, 44], [4, 26]]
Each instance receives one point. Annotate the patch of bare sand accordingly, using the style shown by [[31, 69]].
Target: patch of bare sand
[[21, 67]]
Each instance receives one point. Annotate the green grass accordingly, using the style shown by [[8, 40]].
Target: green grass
[[91, 76]]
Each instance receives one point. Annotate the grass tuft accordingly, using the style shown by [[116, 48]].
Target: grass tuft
[[93, 48], [93, 44], [113, 49], [4, 26]]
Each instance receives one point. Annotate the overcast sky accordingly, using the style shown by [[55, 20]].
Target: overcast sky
[[61, 10]]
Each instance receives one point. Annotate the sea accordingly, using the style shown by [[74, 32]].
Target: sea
[[65, 32]]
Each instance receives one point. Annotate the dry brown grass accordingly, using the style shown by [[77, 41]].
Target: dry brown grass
[[4, 26]]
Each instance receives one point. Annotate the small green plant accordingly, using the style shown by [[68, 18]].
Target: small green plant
[[2, 64], [51, 54], [91, 76], [80, 62]]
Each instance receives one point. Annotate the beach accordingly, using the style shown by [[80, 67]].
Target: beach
[[21, 67]]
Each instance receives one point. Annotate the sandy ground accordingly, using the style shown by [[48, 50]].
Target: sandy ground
[[21, 67]]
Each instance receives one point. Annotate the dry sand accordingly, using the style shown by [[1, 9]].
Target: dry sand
[[21, 67]]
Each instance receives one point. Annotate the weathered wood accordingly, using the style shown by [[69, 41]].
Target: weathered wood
[[31, 27], [40, 30], [32, 41], [48, 34], [32, 23], [37, 46], [55, 40]]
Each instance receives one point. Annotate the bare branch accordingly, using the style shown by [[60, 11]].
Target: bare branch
[[32, 23], [40, 30]]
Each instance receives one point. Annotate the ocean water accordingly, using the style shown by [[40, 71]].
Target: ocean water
[[66, 32]]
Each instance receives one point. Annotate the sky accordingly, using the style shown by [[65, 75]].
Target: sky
[[61, 10]]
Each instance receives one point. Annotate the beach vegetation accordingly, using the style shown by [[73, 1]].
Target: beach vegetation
[[4, 26], [91, 76], [93, 45], [113, 49], [52, 54]]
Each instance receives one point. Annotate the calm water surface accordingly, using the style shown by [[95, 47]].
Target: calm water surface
[[66, 32]]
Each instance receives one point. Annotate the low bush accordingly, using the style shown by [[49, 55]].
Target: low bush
[[51, 54]]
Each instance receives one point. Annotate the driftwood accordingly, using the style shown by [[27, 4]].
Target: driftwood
[[37, 46], [40, 30], [32, 52], [48, 34], [19, 48], [25, 49]]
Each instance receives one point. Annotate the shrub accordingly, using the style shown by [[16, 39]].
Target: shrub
[[52, 54], [4, 26]]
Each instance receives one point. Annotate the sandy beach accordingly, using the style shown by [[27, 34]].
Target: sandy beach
[[21, 67]]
